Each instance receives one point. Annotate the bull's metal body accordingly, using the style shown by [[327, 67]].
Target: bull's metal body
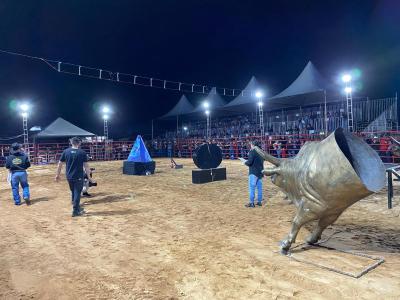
[[325, 178]]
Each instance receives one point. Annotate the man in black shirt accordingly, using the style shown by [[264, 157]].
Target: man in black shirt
[[256, 164], [76, 161], [17, 163]]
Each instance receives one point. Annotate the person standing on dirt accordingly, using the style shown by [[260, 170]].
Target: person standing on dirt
[[76, 162], [256, 164], [17, 163]]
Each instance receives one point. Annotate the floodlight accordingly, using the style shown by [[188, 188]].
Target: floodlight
[[106, 110], [347, 90], [207, 112], [105, 117], [260, 103], [185, 128], [24, 114], [24, 107], [346, 78], [206, 104], [259, 94]]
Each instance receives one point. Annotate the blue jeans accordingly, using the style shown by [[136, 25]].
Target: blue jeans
[[254, 182], [76, 187], [18, 178]]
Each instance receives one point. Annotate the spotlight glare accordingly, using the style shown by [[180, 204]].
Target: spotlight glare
[[24, 107], [348, 90], [346, 78], [206, 104], [24, 114], [207, 112], [105, 117], [185, 128], [259, 94], [106, 109], [260, 103]]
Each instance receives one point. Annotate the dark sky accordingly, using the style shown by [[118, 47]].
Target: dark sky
[[210, 42]]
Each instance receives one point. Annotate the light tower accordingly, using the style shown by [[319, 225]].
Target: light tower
[[259, 96], [106, 116], [24, 108], [206, 105], [346, 78]]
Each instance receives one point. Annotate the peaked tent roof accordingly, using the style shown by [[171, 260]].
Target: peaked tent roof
[[248, 96], [62, 128], [309, 81], [182, 107], [214, 99], [305, 90]]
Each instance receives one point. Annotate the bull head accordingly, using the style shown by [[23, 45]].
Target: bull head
[[324, 179]]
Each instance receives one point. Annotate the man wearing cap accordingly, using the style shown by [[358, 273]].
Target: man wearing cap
[[17, 163], [256, 164], [76, 162]]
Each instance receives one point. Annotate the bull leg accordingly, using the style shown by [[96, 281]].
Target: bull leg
[[322, 224], [302, 217]]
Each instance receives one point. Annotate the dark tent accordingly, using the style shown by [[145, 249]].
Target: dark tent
[[246, 101], [181, 108], [62, 129], [307, 89]]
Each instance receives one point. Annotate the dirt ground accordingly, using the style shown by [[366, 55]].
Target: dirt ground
[[161, 237]]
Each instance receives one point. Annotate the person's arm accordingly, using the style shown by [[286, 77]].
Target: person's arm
[[27, 163], [250, 159], [59, 166], [8, 163]]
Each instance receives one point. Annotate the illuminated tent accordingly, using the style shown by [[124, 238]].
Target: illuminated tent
[[61, 128]]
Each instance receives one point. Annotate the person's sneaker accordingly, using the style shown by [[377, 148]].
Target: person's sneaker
[[249, 205], [259, 203], [86, 194], [80, 213], [27, 201], [17, 203]]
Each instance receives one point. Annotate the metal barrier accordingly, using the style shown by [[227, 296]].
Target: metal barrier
[[390, 172]]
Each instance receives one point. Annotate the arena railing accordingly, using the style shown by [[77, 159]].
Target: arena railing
[[232, 148]]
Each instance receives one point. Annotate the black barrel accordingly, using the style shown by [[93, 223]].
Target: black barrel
[[207, 156]]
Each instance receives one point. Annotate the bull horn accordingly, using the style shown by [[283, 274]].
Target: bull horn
[[270, 172], [267, 157]]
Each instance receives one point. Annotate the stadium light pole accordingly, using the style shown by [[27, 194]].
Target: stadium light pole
[[206, 106], [259, 96], [24, 108], [106, 116], [346, 78]]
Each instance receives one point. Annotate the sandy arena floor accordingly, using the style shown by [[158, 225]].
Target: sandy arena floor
[[161, 237]]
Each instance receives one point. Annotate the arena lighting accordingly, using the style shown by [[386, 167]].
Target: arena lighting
[[185, 128], [207, 112], [260, 103], [24, 107], [24, 114], [206, 104], [259, 94], [105, 117], [347, 90], [346, 78], [106, 110]]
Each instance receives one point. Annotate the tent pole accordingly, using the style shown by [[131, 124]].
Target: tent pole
[[325, 113]]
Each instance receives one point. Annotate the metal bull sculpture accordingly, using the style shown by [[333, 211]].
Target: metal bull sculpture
[[324, 179]]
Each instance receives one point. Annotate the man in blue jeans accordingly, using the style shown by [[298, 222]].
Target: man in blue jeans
[[17, 163], [256, 164], [76, 161]]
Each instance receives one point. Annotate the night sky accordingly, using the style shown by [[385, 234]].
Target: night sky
[[211, 42]]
